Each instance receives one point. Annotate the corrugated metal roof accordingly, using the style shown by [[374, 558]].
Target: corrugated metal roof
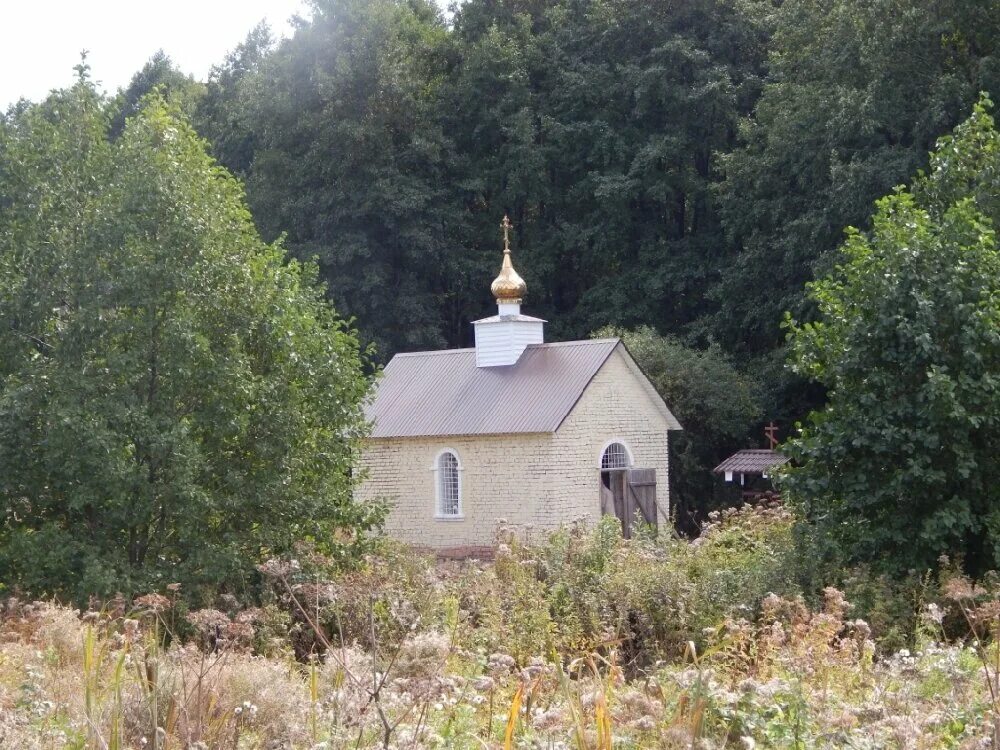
[[444, 393], [751, 461]]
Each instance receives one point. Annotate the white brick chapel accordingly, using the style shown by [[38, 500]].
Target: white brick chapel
[[537, 435]]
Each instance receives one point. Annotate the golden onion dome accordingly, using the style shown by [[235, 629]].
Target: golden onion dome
[[508, 287]]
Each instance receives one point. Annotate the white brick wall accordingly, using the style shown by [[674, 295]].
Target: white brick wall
[[615, 407], [537, 482]]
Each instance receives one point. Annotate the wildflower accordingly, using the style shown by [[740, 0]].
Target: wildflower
[[207, 619], [502, 662], [154, 603], [548, 720], [483, 684], [644, 723], [529, 673], [960, 588]]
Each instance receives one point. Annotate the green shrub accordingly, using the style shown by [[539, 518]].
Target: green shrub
[[586, 590], [667, 593]]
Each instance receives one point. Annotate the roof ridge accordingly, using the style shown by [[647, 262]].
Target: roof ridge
[[430, 352], [576, 342], [546, 344]]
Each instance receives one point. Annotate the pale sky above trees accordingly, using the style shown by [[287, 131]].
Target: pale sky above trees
[[41, 40]]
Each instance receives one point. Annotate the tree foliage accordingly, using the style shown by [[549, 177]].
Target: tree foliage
[[856, 93], [337, 130], [900, 467], [176, 400], [158, 74], [685, 165], [595, 125], [389, 146]]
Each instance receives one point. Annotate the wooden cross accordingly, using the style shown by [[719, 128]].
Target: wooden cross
[[772, 434], [506, 226]]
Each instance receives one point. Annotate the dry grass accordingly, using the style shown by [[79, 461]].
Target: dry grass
[[439, 670], [795, 678]]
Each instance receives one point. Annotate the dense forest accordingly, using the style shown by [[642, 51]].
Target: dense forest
[[677, 172], [686, 165], [683, 167]]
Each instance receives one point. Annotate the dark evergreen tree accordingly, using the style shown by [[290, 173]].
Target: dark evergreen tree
[[595, 125], [390, 148]]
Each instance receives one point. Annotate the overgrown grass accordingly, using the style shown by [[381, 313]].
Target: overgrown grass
[[586, 641]]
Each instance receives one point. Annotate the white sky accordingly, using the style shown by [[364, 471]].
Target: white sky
[[41, 40]]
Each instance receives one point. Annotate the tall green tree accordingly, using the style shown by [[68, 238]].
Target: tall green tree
[[225, 114], [349, 161], [901, 465], [176, 400], [390, 147], [159, 74]]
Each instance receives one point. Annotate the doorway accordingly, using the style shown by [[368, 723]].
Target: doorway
[[628, 494], [614, 485]]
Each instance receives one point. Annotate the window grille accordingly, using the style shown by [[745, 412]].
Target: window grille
[[449, 486], [615, 457]]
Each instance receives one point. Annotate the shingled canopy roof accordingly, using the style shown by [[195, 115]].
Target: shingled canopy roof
[[751, 461], [444, 392]]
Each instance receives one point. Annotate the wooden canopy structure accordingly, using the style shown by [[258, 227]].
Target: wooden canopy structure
[[753, 467], [756, 462]]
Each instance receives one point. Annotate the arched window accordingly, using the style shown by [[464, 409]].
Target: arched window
[[615, 456], [449, 485]]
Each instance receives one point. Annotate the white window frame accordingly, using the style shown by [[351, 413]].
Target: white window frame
[[436, 473], [630, 461]]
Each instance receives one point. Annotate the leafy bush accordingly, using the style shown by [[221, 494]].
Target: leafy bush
[[670, 593], [373, 604], [770, 671], [586, 590], [177, 398], [900, 466]]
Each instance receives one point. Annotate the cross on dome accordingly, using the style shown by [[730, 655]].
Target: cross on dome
[[508, 288]]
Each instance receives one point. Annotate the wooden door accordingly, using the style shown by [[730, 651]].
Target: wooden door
[[630, 495], [641, 484]]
